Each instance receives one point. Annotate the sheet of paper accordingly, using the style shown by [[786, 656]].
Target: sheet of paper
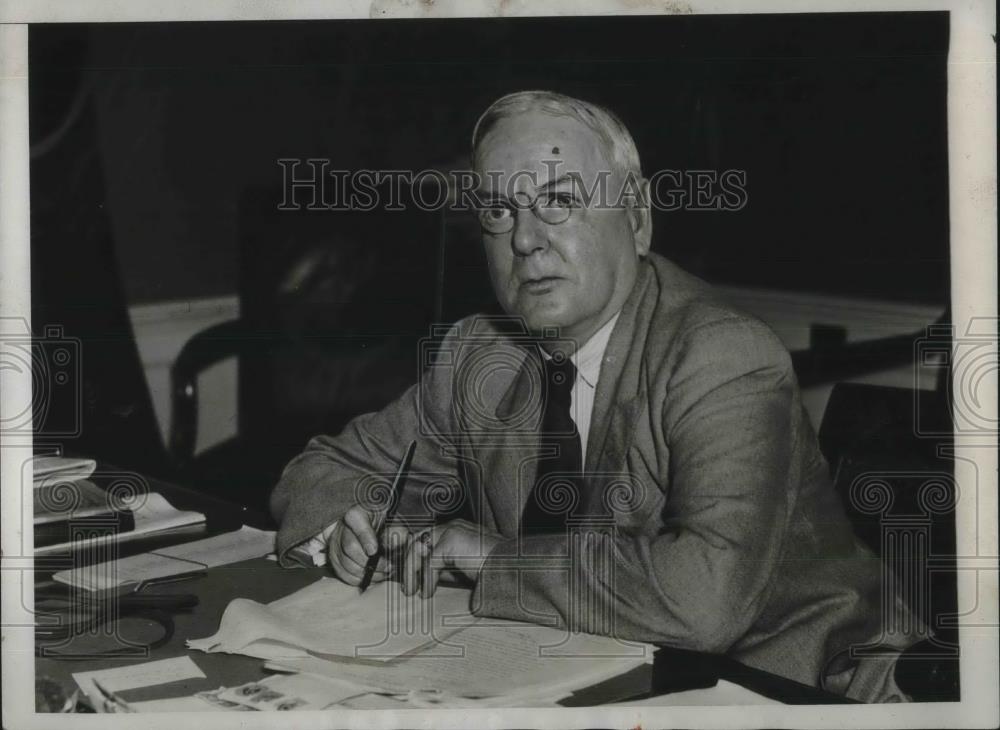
[[155, 514], [291, 692], [47, 469], [330, 618], [131, 676], [212, 696], [231, 547], [493, 659]]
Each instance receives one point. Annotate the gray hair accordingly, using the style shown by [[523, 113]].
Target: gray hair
[[605, 124]]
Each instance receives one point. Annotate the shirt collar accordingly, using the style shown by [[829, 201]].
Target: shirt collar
[[589, 357]]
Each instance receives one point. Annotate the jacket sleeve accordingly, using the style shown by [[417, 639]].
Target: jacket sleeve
[[700, 579], [335, 472]]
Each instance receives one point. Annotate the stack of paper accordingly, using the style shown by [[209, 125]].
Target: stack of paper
[[279, 692], [386, 643], [231, 547], [132, 676], [51, 469], [509, 661], [155, 514], [51, 475], [58, 506], [329, 619]]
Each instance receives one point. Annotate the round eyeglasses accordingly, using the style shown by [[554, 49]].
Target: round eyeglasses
[[552, 208]]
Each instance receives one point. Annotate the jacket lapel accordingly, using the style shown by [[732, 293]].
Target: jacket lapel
[[509, 454], [621, 386]]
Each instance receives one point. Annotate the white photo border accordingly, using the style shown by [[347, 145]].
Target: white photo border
[[972, 167]]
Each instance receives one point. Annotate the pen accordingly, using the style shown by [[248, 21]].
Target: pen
[[111, 699], [394, 494]]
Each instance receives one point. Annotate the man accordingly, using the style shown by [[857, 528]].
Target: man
[[647, 471]]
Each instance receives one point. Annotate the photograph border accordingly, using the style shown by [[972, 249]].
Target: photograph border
[[973, 234]]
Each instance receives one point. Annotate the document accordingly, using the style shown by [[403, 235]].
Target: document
[[283, 692], [131, 676], [384, 642], [493, 658], [231, 547], [53, 469], [155, 514], [279, 692], [330, 619], [58, 505]]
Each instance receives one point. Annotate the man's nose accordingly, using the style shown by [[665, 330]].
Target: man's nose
[[529, 234]]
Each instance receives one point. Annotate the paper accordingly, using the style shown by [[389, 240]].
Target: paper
[[131, 676], [231, 547], [331, 618], [212, 697], [291, 692], [55, 500], [155, 514], [494, 659], [49, 469]]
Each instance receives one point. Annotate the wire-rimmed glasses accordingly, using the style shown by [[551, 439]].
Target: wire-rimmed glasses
[[497, 215]]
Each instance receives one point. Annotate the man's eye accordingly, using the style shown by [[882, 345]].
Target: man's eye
[[558, 200], [496, 212]]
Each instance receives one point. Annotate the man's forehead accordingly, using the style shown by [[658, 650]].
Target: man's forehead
[[539, 147]]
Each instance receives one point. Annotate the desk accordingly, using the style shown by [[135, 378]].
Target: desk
[[220, 516], [262, 580]]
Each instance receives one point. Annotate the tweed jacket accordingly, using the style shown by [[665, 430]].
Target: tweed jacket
[[726, 533]]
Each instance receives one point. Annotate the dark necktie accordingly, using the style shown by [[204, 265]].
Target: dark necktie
[[552, 497]]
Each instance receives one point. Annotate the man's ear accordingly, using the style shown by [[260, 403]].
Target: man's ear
[[640, 218]]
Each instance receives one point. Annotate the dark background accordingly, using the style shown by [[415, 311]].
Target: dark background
[[838, 121], [155, 177]]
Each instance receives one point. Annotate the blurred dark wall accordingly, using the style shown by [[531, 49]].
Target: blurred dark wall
[[838, 121]]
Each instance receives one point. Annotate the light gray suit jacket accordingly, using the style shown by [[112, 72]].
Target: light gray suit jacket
[[728, 536]]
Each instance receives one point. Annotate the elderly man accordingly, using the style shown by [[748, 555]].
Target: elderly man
[[627, 455]]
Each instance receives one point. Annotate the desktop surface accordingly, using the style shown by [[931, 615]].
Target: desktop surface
[[262, 580]]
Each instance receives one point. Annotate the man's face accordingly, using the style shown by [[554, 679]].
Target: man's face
[[573, 275]]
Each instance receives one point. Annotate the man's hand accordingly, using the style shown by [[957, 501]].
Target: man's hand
[[459, 546], [354, 540]]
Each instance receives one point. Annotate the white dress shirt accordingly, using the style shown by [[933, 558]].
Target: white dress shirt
[[587, 359]]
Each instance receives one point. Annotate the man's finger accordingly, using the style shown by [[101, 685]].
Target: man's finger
[[395, 537], [412, 566], [339, 562], [429, 573], [395, 542], [333, 551], [336, 561], [351, 550], [359, 521], [351, 572]]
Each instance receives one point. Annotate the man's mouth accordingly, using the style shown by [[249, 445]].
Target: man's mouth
[[540, 284]]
